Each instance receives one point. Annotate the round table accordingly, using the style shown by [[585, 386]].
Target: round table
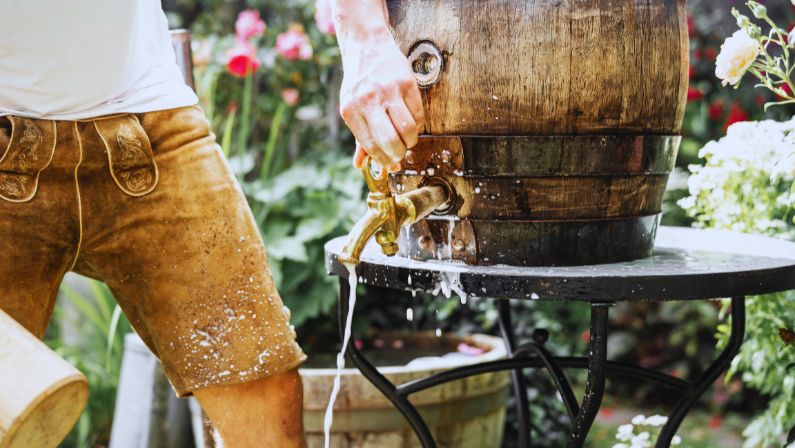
[[687, 264]]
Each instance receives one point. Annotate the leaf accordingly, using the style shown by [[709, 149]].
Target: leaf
[[290, 248], [82, 304], [113, 342], [314, 228]]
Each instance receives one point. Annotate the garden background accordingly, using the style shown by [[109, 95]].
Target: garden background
[[271, 96]]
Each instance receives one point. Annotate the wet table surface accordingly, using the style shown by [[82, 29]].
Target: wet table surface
[[686, 264]]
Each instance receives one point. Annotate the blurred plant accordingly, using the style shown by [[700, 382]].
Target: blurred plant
[[298, 211], [97, 354]]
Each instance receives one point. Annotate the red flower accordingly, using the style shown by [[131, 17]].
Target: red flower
[[693, 94], [791, 27], [715, 421], [606, 412], [585, 336], [692, 71], [241, 60], [691, 25], [736, 114], [706, 53], [786, 89], [715, 110]]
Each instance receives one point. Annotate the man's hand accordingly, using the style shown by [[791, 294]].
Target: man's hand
[[379, 100]]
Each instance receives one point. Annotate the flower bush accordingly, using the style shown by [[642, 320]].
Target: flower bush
[[747, 186]]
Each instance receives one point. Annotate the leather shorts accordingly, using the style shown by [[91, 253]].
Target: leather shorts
[[147, 204]]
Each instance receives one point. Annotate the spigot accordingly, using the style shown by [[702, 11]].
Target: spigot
[[387, 213]]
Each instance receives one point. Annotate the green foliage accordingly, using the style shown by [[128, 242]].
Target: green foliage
[[96, 351], [298, 211], [747, 185]]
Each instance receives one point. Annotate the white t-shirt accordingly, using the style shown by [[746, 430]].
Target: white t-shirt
[[73, 59]]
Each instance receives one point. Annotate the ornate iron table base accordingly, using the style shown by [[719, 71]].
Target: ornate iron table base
[[727, 273]]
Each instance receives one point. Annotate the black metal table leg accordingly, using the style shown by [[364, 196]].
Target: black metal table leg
[[595, 385], [556, 372], [524, 436], [372, 374], [712, 373]]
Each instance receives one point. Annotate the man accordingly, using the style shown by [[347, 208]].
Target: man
[[109, 169]]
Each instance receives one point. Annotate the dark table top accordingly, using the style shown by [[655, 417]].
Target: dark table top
[[686, 264]]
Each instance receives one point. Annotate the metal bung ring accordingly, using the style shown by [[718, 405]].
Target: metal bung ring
[[427, 62], [447, 207]]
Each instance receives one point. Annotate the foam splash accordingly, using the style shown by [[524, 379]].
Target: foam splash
[[449, 282]]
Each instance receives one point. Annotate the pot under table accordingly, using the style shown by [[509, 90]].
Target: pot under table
[[687, 264]]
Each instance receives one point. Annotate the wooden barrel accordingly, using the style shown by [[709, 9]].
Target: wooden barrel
[[554, 122], [41, 395]]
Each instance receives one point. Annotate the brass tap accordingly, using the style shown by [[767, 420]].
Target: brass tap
[[387, 213]]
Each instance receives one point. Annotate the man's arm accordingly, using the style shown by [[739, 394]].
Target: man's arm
[[380, 101]]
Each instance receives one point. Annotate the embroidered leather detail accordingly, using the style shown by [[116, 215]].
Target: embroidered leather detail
[[13, 186], [29, 151], [137, 180], [132, 151], [29, 144], [130, 157], [131, 147]]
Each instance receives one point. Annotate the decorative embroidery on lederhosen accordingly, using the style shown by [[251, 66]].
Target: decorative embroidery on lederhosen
[[132, 163], [30, 150]]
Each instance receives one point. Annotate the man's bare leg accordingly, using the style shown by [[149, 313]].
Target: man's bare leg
[[262, 413]]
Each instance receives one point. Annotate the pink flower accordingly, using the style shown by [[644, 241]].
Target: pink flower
[[290, 96], [294, 44], [249, 24], [324, 19], [469, 350], [241, 60]]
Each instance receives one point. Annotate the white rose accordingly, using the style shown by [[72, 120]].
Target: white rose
[[737, 54]]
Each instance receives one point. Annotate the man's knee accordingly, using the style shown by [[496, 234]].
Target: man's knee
[[267, 409], [283, 388]]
